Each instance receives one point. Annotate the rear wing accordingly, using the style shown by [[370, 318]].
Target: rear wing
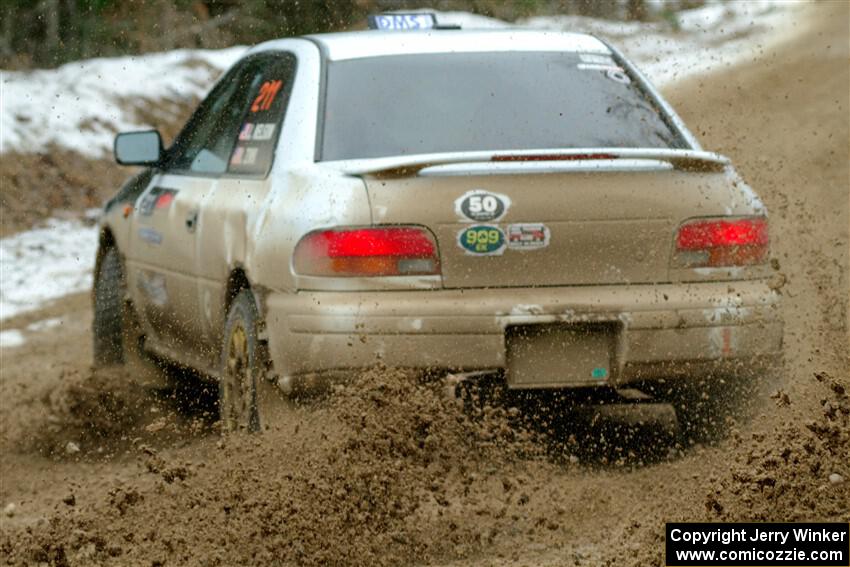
[[538, 161]]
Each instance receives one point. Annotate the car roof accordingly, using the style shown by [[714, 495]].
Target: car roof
[[360, 44]]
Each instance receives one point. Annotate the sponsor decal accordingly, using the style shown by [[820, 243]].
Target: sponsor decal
[[256, 132], [528, 236], [164, 200], [156, 198], [250, 157], [153, 286], [243, 155], [479, 205], [482, 240], [236, 158], [246, 131], [150, 235], [264, 131]]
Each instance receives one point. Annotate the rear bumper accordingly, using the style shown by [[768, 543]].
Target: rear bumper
[[665, 330]]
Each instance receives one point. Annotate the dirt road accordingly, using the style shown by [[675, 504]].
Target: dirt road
[[387, 471]]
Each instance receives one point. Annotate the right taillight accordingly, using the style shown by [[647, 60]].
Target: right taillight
[[721, 242], [367, 252]]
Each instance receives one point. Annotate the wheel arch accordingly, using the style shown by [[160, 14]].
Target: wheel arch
[[237, 281]]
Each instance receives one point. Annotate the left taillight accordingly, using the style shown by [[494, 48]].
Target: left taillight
[[721, 242], [367, 252]]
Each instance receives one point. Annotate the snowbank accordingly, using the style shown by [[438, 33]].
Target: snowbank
[[702, 40], [83, 104], [44, 264], [692, 42], [11, 338]]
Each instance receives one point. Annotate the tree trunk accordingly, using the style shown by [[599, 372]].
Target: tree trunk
[[166, 24], [6, 33], [636, 10], [607, 9], [51, 25]]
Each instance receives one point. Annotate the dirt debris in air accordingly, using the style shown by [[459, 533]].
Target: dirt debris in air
[[388, 470], [103, 413], [784, 473]]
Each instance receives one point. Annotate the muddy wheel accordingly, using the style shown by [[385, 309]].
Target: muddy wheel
[[109, 311], [248, 401]]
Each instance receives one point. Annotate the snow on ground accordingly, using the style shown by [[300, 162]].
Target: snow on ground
[[45, 263], [82, 104], [690, 42], [11, 338], [44, 324], [702, 40]]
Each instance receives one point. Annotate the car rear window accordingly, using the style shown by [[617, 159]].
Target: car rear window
[[428, 103]]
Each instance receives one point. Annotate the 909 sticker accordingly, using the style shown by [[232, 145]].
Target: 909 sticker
[[482, 206], [482, 240]]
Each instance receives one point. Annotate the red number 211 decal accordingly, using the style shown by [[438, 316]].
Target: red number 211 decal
[[268, 91]]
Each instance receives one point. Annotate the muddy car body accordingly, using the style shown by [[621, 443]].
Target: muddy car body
[[510, 201]]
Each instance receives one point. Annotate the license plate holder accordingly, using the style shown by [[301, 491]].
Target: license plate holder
[[560, 355]]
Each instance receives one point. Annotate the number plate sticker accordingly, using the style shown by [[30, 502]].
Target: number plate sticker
[[482, 206], [482, 240]]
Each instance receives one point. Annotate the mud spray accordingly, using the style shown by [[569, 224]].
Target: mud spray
[[387, 470]]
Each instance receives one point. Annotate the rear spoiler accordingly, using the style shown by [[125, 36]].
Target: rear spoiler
[[413, 165]]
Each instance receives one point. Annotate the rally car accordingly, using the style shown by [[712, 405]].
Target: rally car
[[514, 202]]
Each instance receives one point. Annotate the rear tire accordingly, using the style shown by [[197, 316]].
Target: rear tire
[[248, 401], [109, 311]]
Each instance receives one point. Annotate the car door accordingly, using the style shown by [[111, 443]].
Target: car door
[[162, 274], [231, 209]]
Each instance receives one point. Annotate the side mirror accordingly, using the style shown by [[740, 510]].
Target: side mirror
[[138, 148]]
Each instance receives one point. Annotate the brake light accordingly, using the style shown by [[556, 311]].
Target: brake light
[[378, 251], [552, 157], [722, 242]]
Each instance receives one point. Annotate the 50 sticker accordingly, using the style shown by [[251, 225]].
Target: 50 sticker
[[482, 240], [479, 205]]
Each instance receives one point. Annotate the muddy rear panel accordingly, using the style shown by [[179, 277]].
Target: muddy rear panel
[[569, 228]]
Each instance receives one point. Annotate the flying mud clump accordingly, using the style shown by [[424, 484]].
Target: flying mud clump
[[103, 413], [798, 472], [387, 470]]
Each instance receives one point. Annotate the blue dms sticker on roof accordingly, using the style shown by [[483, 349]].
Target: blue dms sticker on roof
[[402, 21]]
